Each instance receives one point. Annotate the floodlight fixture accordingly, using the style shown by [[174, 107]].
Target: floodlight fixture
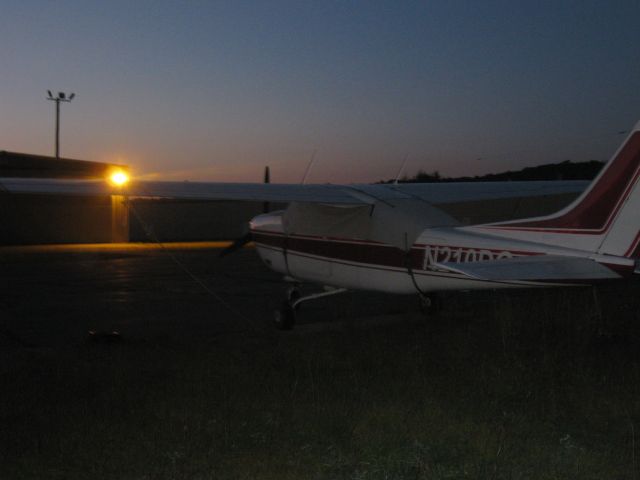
[[62, 97]]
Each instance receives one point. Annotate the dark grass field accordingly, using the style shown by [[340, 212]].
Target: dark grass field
[[538, 384]]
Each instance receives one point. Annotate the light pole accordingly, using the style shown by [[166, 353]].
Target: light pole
[[62, 97]]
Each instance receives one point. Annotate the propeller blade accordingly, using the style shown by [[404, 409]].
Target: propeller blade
[[237, 244]]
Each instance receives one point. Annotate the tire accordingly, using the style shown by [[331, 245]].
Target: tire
[[285, 317], [293, 294], [430, 304]]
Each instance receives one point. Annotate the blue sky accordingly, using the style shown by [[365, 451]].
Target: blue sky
[[207, 90]]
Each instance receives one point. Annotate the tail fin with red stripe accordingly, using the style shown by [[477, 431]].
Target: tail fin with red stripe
[[605, 218]]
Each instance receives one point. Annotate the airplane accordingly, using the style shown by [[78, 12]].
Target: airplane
[[395, 238]]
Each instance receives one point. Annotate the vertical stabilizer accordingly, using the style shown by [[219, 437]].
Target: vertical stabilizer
[[604, 219]]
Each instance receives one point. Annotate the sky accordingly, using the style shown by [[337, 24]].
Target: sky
[[206, 90]]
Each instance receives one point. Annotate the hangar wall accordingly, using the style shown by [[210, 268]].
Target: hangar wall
[[41, 219], [51, 219], [176, 220]]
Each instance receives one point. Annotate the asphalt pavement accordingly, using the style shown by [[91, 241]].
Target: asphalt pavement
[[181, 292]]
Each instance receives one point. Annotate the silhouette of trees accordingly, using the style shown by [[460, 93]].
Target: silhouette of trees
[[566, 170]]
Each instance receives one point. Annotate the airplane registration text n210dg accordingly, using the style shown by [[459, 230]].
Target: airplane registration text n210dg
[[435, 254]]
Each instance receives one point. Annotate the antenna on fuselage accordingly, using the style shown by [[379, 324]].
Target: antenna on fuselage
[[306, 172], [266, 206], [404, 163]]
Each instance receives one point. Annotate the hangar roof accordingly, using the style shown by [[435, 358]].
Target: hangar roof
[[24, 165]]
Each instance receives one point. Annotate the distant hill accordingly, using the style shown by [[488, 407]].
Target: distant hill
[[566, 170]]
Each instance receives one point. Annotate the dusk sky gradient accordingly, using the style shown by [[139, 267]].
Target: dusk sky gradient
[[205, 90]]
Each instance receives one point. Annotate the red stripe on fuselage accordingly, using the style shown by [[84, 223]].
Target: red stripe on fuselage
[[374, 253], [382, 255], [360, 252]]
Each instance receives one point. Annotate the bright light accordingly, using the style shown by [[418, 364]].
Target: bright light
[[119, 178]]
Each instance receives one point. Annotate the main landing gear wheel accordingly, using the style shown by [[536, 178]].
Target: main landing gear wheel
[[430, 304], [293, 294], [285, 317]]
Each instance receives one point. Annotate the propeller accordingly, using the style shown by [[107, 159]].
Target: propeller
[[237, 244], [246, 237]]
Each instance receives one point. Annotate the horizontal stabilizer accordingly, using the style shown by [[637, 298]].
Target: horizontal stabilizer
[[538, 267]]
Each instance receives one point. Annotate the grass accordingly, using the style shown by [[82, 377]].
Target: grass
[[516, 385]]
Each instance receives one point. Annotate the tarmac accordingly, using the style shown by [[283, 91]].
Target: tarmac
[[183, 292]]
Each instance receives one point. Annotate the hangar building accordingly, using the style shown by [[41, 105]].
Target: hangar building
[[38, 219], [28, 219]]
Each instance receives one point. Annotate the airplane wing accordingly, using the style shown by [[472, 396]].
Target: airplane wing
[[401, 212], [333, 194], [433, 193], [446, 192], [534, 268]]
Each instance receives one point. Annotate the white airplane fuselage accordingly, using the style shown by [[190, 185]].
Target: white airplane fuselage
[[404, 247], [365, 265]]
